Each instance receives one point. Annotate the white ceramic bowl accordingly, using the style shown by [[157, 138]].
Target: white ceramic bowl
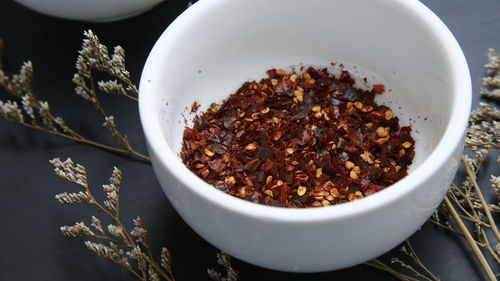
[[208, 51], [90, 10]]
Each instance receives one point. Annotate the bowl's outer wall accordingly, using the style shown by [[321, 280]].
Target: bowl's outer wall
[[308, 247], [90, 10]]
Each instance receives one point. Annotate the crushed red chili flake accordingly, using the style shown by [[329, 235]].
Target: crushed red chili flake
[[194, 107], [299, 140]]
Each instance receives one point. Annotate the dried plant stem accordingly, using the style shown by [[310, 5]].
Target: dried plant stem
[[376, 263], [415, 258], [472, 177], [472, 242], [77, 137]]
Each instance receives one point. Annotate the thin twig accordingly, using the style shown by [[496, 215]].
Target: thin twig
[[416, 259], [486, 209], [86, 141], [471, 240], [376, 263]]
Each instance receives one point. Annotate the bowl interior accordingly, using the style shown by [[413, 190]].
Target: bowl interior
[[210, 50]]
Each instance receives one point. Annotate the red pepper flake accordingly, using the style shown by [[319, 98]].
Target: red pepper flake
[[194, 107], [299, 140], [378, 88]]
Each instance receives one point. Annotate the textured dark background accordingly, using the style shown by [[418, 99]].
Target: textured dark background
[[31, 245]]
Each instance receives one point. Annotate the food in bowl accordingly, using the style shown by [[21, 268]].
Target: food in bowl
[[299, 140], [208, 51]]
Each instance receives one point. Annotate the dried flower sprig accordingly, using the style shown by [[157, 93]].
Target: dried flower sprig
[[130, 249], [465, 211], [493, 79], [414, 265], [231, 273], [94, 56], [27, 110]]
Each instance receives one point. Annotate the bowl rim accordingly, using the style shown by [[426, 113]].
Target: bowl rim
[[452, 137]]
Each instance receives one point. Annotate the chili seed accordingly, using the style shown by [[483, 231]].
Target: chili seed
[[251, 146], [406, 144], [388, 114], [301, 190], [349, 165], [289, 151], [319, 172], [209, 153], [367, 157], [269, 179], [230, 180], [299, 95], [382, 131]]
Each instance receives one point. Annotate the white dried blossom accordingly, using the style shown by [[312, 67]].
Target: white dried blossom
[[28, 107], [96, 223], [64, 170], [82, 68], [153, 275], [10, 111], [493, 94], [112, 190], [111, 252], [231, 274], [477, 137], [62, 124], [109, 123], [139, 231], [93, 52], [165, 258], [117, 64], [495, 183], [69, 198], [493, 81], [81, 88], [69, 171], [484, 112], [44, 112], [95, 56], [112, 87], [135, 253], [493, 67], [138, 255], [117, 231], [20, 84], [81, 175], [79, 229], [111, 203]]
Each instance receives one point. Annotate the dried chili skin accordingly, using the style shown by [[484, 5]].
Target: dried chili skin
[[299, 140]]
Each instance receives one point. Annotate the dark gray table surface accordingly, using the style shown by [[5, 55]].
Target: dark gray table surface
[[31, 245]]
